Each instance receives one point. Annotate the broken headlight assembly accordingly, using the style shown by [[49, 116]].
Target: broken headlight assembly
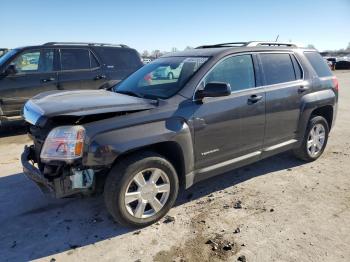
[[64, 143]]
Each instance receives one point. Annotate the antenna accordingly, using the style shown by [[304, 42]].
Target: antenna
[[277, 38]]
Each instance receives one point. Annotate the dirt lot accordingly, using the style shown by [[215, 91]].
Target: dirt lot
[[290, 211]]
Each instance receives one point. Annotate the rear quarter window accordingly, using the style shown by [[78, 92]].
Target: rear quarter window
[[120, 58], [318, 64]]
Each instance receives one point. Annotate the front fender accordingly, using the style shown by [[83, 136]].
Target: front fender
[[104, 148]]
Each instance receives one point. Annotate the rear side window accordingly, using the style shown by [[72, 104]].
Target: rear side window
[[319, 65], [278, 68], [120, 58], [73, 59]]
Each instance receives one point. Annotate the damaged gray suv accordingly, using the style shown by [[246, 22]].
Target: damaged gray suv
[[139, 142]]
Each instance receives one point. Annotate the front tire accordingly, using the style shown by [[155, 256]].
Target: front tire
[[141, 189], [315, 140]]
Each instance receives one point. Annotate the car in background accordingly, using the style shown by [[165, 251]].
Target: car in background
[[167, 72], [331, 61], [342, 65], [146, 60], [28, 71], [3, 51]]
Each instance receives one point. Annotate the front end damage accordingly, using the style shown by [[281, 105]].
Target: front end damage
[[56, 126], [60, 180]]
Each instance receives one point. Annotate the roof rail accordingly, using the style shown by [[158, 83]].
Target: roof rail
[[267, 43], [233, 44], [84, 43], [248, 44]]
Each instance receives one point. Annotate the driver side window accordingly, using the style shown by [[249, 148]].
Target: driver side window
[[238, 71], [34, 61]]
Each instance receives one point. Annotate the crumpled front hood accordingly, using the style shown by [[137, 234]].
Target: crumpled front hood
[[81, 103]]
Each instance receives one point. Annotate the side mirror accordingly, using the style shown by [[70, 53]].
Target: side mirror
[[214, 89], [11, 70]]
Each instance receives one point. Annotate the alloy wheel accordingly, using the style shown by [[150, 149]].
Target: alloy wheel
[[316, 140], [147, 193]]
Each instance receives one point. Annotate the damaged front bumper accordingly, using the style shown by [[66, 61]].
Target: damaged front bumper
[[75, 181]]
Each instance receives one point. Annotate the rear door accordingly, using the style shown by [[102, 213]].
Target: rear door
[[80, 69], [36, 73], [284, 86], [231, 127]]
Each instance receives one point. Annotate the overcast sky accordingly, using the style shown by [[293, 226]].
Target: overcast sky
[[179, 23]]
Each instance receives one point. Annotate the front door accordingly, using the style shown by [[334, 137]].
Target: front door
[[230, 127], [35, 73]]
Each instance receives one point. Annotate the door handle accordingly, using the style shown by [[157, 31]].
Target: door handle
[[99, 77], [303, 89], [50, 79], [254, 98]]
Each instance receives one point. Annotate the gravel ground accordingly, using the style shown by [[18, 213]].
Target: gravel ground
[[279, 209]]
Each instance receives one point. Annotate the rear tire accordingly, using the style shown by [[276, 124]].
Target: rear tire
[[136, 203], [315, 140]]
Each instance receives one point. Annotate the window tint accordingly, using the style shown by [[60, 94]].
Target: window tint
[[297, 68], [120, 58], [72, 59], [278, 68], [34, 61], [318, 64], [238, 71]]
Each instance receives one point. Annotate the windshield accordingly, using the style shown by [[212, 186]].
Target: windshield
[[162, 78], [6, 56]]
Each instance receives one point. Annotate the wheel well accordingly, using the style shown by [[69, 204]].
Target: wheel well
[[326, 112], [169, 150]]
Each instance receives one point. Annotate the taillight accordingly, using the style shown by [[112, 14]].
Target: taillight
[[335, 84]]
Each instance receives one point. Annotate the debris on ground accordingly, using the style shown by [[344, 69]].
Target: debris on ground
[[241, 258], [169, 219], [218, 243], [226, 206], [137, 232], [237, 230], [271, 210], [53, 259], [238, 205]]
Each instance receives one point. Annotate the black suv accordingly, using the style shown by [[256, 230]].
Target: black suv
[[28, 71], [232, 104]]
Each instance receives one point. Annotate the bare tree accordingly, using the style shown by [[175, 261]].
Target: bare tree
[[156, 53], [188, 48], [311, 46], [145, 53]]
